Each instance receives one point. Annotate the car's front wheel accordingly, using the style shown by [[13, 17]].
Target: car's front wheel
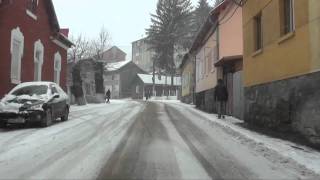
[[47, 119], [65, 116]]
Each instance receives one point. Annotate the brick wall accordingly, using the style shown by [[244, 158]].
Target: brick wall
[[32, 30]]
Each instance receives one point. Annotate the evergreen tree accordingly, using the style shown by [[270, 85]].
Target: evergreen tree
[[200, 15], [169, 29]]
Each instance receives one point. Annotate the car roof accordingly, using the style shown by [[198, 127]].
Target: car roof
[[37, 83]]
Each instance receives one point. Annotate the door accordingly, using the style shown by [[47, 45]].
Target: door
[[57, 103], [238, 98], [230, 92]]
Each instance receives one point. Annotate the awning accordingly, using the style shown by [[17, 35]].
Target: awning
[[228, 60]]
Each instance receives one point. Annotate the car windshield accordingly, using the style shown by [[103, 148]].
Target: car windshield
[[31, 90]]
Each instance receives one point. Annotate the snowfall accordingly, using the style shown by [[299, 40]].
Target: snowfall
[[80, 147]]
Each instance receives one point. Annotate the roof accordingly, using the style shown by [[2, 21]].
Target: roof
[[142, 39], [55, 23], [184, 60], [114, 47], [116, 66], [147, 79], [209, 26], [52, 15], [65, 32], [228, 59]]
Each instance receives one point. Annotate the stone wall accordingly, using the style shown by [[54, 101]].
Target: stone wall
[[205, 101], [287, 105], [187, 99]]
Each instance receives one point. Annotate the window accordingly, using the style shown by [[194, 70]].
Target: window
[[16, 49], [258, 32], [54, 90], [38, 60], [215, 56], [210, 64], [32, 5], [203, 67], [205, 61], [57, 67], [286, 16], [197, 69]]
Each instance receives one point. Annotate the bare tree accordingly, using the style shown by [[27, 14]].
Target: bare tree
[[101, 44], [81, 48]]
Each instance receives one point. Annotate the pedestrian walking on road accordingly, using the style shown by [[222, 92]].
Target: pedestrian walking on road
[[221, 97], [147, 95], [108, 94]]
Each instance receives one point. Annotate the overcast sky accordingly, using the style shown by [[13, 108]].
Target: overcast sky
[[126, 20]]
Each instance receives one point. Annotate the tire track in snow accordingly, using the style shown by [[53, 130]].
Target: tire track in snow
[[102, 125], [25, 133], [144, 151], [213, 156], [106, 135]]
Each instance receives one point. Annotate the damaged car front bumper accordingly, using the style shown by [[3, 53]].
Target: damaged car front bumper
[[21, 117]]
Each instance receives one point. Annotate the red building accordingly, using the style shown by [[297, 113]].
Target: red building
[[32, 47]]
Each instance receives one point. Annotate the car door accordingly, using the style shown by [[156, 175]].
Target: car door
[[64, 100], [56, 103]]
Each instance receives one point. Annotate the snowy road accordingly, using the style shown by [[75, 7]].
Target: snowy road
[[136, 140], [74, 149], [168, 141]]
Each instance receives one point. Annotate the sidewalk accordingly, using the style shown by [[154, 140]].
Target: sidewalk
[[300, 154]]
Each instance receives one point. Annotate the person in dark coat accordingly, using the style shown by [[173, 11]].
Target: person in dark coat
[[108, 94], [147, 95], [221, 96]]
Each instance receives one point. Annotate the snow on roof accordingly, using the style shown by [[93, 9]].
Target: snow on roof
[[116, 66], [147, 79]]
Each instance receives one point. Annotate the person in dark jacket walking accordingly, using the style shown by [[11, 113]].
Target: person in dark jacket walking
[[108, 94], [221, 96]]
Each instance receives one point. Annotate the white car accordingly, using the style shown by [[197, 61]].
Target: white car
[[39, 102]]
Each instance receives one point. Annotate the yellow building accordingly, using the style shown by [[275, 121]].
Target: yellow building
[[187, 79], [281, 64]]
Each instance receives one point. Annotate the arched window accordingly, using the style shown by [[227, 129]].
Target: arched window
[[38, 60], [57, 67], [16, 50]]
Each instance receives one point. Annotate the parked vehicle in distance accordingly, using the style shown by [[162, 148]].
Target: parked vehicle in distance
[[34, 102]]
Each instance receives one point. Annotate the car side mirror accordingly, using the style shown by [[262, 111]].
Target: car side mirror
[[55, 96]]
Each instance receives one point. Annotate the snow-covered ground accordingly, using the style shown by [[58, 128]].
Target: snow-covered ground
[[302, 155], [149, 140], [75, 149]]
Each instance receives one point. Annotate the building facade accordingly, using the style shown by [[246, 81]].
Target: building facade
[[118, 78], [281, 65], [142, 55], [187, 68], [112, 55], [216, 53], [39, 54], [143, 86], [229, 55]]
